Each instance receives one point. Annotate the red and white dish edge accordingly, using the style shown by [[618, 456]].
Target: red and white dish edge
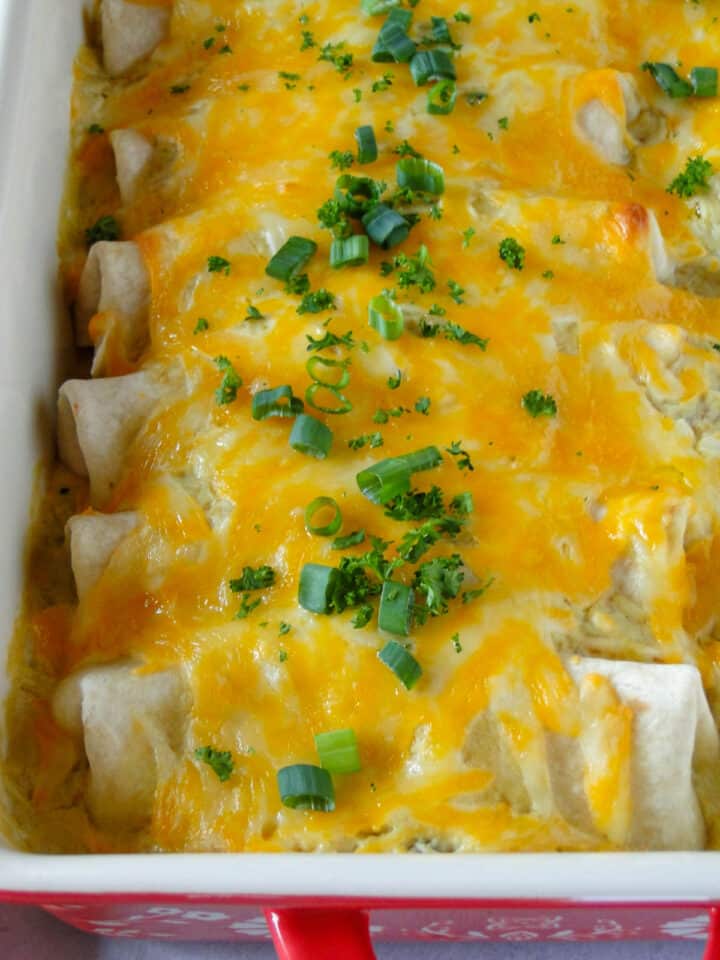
[[319, 906]]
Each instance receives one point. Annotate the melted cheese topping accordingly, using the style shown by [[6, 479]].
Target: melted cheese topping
[[598, 525]]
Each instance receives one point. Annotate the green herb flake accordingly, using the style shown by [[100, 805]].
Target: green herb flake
[[201, 325], [693, 178], [218, 265], [219, 761], [231, 381], [512, 253], [463, 461], [539, 404]]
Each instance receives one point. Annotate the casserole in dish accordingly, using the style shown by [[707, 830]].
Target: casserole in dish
[[32, 874]]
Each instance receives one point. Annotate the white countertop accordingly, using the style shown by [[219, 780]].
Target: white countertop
[[27, 933]]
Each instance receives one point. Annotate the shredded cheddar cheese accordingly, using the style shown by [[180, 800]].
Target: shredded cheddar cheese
[[559, 348]]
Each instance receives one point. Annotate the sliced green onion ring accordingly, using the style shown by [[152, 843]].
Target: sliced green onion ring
[[306, 787], [385, 316], [431, 65], [704, 81], [343, 405], [421, 175], [310, 436], [389, 478], [323, 529], [398, 18], [270, 403], [385, 226], [441, 97], [342, 365], [367, 144], [317, 587], [356, 195], [290, 258], [668, 80], [394, 40], [440, 30], [402, 663], [351, 251], [338, 751], [396, 606]]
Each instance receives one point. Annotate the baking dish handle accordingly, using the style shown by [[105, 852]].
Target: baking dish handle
[[712, 950], [320, 934]]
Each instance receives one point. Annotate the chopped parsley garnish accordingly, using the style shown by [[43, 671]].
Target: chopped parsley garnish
[[220, 761], [467, 236], [469, 595], [332, 216], [299, 284], [462, 17], [317, 301], [282, 656], [95, 128], [503, 123], [253, 578], [463, 462], [539, 404], [341, 160], [332, 53], [371, 439], [417, 505], [291, 79], [226, 49], [105, 228], [406, 149], [413, 271], [394, 382], [474, 97], [253, 313], [557, 239], [284, 629], [329, 340], [246, 607], [457, 646], [231, 382], [512, 253], [453, 331], [438, 580], [209, 42], [456, 291], [693, 178], [201, 325], [363, 617], [422, 405], [308, 40], [178, 88], [379, 86], [548, 275], [218, 265], [351, 540], [534, 18]]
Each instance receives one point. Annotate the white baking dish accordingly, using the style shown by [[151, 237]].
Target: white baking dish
[[38, 39]]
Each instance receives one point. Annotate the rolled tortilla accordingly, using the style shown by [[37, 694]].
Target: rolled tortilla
[[115, 292], [133, 156], [94, 537], [647, 733], [97, 422], [133, 726], [130, 32]]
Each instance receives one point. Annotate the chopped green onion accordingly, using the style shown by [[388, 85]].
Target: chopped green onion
[[325, 529], [704, 81], [270, 403], [396, 606], [316, 361], [317, 587], [338, 751], [305, 787], [440, 30], [344, 405], [389, 478], [291, 258], [367, 144], [397, 19], [668, 80], [393, 44], [402, 663], [351, 540], [431, 65], [310, 436], [351, 252], [441, 97], [385, 226], [356, 195], [386, 317], [375, 7], [421, 175]]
